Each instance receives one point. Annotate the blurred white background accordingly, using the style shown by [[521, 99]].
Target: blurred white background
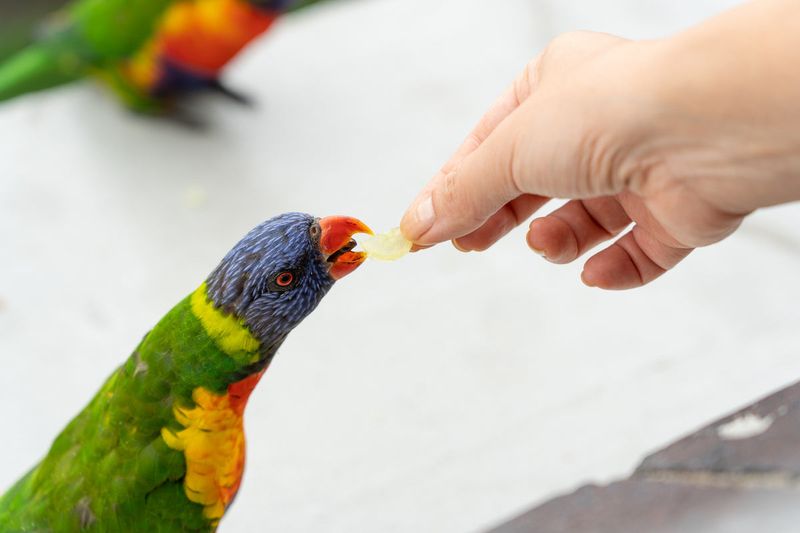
[[438, 394]]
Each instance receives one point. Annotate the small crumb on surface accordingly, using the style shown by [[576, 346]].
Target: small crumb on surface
[[389, 246], [195, 196], [745, 427]]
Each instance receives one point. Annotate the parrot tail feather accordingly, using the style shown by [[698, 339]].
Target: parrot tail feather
[[36, 68]]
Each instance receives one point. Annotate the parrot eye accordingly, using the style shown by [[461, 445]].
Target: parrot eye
[[314, 231], [283, 281]]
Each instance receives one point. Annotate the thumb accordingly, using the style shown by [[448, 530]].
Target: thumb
[[548, 145], [456, 203]]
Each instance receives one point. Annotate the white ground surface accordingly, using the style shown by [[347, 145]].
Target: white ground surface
[[439, 394]]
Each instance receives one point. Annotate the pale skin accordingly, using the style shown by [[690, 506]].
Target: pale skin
[[659, 146]]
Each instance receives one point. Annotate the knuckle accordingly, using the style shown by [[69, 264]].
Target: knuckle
[[564, 42], [524, 84], [597, 159], [450, 189], [570, 49], [607, 165], [473, 141], [453, 198], [515, 167]]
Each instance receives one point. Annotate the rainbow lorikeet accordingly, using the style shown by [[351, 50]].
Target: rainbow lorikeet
[[161, 446], [148, 51]]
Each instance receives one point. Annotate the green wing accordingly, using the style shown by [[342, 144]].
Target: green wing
[[24, 67], [110, 470], [87, 36]]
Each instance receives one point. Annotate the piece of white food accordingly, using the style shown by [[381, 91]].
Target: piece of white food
[[389, 246]]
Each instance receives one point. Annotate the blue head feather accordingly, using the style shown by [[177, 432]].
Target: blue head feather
[[248, 283]]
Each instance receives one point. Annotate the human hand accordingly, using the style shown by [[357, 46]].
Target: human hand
[[630, 132]]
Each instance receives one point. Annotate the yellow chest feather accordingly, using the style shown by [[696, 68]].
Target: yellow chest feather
[[214, 447]]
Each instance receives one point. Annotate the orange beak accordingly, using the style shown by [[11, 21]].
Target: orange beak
[[336, 244]]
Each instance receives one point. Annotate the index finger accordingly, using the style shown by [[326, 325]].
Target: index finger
[[510, 100]]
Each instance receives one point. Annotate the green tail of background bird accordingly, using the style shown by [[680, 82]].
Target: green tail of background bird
[[35, 68], [23, 65], [28, 64]]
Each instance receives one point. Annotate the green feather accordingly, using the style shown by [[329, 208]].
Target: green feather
[[36, 68], [110, 470], [87, 36]]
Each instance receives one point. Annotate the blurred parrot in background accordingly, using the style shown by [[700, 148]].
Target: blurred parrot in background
[[148, 51], [161, 446]]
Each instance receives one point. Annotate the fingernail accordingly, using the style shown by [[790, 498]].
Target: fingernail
[[419, 247], [585, 281], [534, 249], [419, 219], [458, 247], [538, 251]]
